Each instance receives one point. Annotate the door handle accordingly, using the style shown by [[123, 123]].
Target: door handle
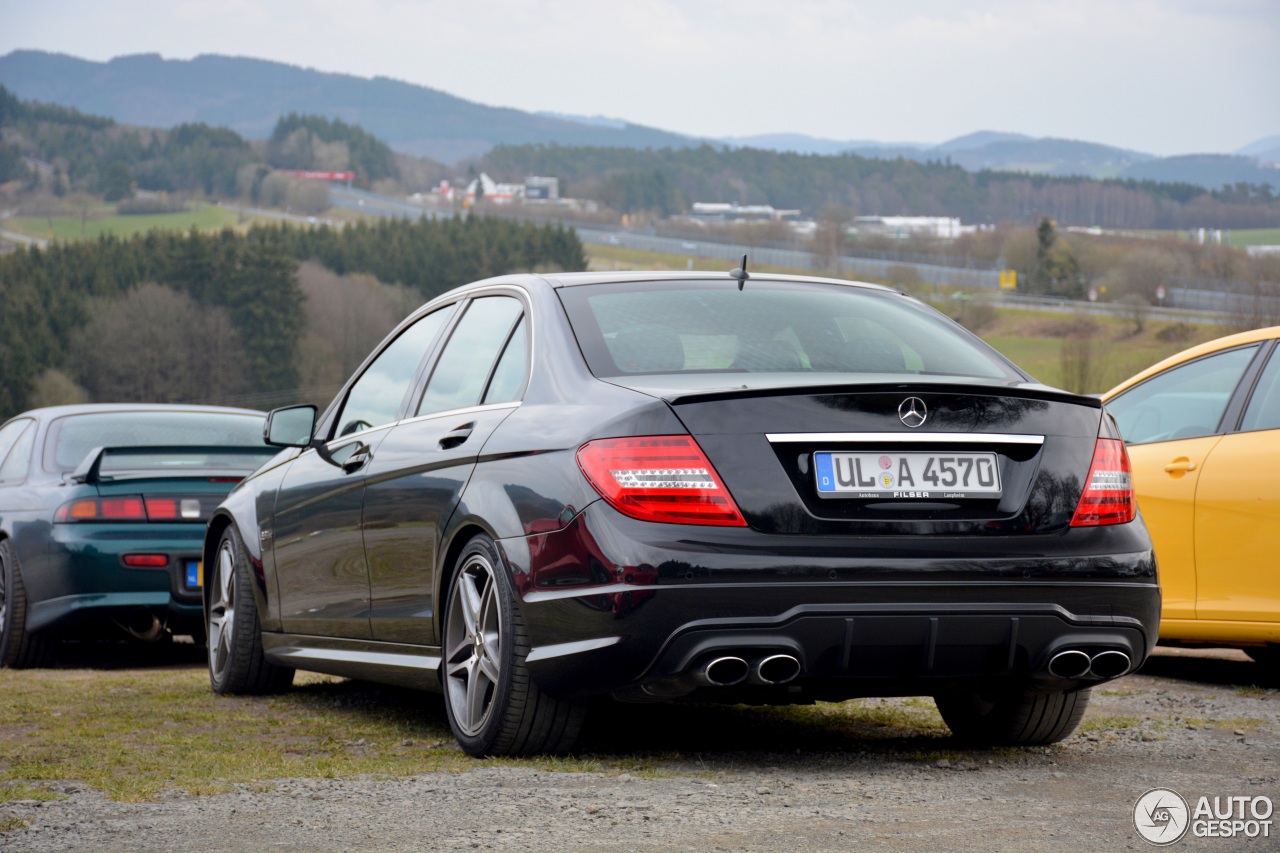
[[1182, 463], [456, 436], [356, 460]]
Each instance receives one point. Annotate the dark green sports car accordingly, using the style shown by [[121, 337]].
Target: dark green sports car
[[102, 515]]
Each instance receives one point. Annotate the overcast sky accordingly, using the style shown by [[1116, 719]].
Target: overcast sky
[[1162, 76]]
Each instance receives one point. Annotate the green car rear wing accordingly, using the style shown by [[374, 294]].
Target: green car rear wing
[[163, 461]]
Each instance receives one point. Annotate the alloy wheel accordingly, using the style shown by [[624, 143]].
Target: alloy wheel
[[473, 644], [222, 612]]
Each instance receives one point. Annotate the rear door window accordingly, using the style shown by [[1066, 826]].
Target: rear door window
[[1264, 406], [464, 369], [513, 366]]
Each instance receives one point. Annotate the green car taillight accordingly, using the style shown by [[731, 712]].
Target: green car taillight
[[129, 508]]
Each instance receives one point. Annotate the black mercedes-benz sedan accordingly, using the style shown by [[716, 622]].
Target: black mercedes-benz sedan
[[771, 489]]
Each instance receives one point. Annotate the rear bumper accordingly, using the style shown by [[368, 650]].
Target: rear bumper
[[84, 583], [615, 604], [89, 612]]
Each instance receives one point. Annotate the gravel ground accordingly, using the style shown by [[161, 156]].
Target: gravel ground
[[1195, 722]]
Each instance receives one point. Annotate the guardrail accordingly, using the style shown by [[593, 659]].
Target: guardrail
[[1188, 304], [844, 264]]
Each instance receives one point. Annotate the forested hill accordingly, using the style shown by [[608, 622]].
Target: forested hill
[[669, 180], [115, 319], [96, 155], [250, 95]]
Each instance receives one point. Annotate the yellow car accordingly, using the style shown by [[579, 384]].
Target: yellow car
[[1203, 433]]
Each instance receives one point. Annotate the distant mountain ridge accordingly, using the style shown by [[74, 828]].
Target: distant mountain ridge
[[1262, 148], [984, 149], [1017, 152], [249, 96]]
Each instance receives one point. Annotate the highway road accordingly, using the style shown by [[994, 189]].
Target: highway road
[[985, 282]]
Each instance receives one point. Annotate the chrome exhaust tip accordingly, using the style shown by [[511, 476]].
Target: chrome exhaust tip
[[722, 671], [1071, 663], [1110, 664], [775, 669]]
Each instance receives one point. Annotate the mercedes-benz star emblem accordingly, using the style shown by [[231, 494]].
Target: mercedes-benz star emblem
[[912, 412]]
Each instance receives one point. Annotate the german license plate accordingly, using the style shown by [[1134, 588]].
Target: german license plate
[[909, 476], [195, 574]]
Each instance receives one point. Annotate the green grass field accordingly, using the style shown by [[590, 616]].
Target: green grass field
[[1113, 362], [136, 733], [105, 221], [1256, 237]]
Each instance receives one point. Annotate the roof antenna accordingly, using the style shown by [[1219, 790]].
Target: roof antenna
[[740, 273]]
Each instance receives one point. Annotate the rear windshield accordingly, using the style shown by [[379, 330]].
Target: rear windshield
[[71, 438], [768, 327]]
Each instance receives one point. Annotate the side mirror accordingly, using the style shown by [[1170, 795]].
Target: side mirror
[[290, 427]]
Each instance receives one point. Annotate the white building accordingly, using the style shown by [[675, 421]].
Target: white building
[[729, 212], [940, 227]]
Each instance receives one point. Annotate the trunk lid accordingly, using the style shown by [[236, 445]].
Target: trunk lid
[[900, 458]]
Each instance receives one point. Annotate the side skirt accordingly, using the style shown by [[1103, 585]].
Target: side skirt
[[386, 663]]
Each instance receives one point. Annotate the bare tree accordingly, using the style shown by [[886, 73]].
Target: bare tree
[[1081, 371], [829, 238], [346, 318], [160, 346]]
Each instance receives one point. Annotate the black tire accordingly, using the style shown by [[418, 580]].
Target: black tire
[[1025, 718], [233, 630], [493, 706], [19, 648]]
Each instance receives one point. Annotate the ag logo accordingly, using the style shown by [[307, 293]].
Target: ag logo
[[1161, 816]]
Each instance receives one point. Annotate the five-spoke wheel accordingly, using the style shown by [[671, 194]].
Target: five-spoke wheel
[[222, 612], [473, 661], [494, 707]]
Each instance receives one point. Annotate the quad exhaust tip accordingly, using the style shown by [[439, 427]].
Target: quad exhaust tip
[[1072, 663], [1110, 664], [728, 670], [724, 671], [775, 669]]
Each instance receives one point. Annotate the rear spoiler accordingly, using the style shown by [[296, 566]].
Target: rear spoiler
[[1028, 391], [88, 470]]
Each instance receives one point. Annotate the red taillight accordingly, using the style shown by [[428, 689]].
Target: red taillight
[[1108, 492], [659, 478], [146, 561], [129, 508], [162, 509], [122, 509]]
